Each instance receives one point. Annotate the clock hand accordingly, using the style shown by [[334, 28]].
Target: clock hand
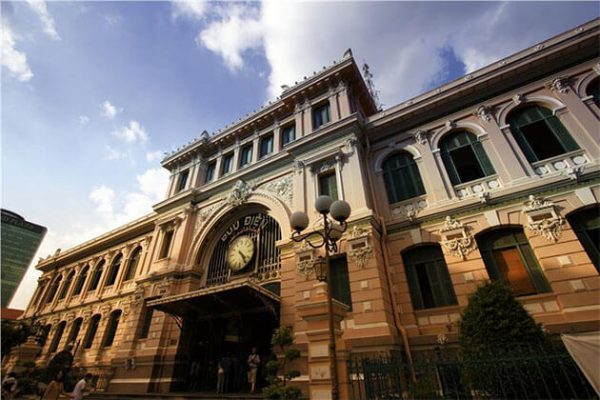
[[242, 254]]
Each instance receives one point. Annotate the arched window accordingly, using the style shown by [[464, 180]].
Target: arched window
[[43, 336], [539, 133], [97, 275], [91, 332], [464, 158], [72, 339], [111, 330], [133, 262], [508, 256], [60, 329], [401, 177], [66, 286], [38, 295], [53, 289], [586, 225], [593, 90], [113, 272], [428, 278], [81, 280]]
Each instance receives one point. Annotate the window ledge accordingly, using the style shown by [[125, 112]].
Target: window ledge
[[562, 164], [478, 187], [409, 208]]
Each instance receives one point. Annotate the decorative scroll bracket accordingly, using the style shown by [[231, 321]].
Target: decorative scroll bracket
[[456, 240], [360, 248], [543, 219]]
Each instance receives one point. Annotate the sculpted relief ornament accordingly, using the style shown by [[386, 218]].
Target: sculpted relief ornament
[[456, 240], [359, 243], [239, 194], [281, 187], [543, 220]]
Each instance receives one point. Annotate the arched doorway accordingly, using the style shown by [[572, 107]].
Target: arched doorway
[[237, 306]]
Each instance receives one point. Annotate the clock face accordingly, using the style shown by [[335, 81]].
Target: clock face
[[240, 252]]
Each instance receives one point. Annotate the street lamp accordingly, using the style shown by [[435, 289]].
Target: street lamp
[[335, 214]]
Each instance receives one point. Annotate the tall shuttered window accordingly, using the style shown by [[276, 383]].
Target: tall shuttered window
[[246, 155], [65, 288], [81, 280], [328, 185], [340, 282], [113, 272], [91, 332], [43, 337], [227, 165], [146, 323], [182, 181], [266, 146], [428, 277], [539, 133], [166, 244], [97, 275], [133, 263], [401, 177], [508, 256], [320, 115], [288, 134], [53, 289], [464, 158], [210, 172], [72, 339], [60, 329], [586, 224], [111, 329]]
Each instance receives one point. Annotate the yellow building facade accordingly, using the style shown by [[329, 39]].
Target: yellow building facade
[[495, 175]]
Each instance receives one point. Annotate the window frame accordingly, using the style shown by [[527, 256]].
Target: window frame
[[478, 152], [167, 242], [97, 276], [488, 251], [60, 331], [227, 161], [111, 328], [211, 168], [113, 271], [53, 290], [248, 150], [319, 111], [285, 133], [327, 174], [92, 331], [66, 285], [340, 285], [405, 177], [270, 140], [132, 264], [80, 283], [146, 323], [553, 125], [581, 230], [436, 271]]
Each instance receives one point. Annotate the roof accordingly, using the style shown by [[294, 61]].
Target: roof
[[10, 313]]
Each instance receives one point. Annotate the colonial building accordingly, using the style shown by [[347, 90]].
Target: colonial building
[[494, 175]]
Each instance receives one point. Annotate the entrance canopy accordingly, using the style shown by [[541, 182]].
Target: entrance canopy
[[228, 299]]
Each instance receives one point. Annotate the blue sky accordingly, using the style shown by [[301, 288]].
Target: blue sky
[[94, 92]]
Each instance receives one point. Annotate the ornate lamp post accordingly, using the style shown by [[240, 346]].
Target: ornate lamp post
[[327, 238]]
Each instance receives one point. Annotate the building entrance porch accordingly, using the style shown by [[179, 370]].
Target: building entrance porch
[[220, 326]]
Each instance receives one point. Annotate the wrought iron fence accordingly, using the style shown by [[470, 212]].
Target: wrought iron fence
[[518, 373]]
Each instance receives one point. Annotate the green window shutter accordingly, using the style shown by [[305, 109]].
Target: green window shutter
[[586, 225], [448, 295], [562, 134], [484, 161], [340, 282], [413, 286], [450, 168], [537, 276], [523, 143]]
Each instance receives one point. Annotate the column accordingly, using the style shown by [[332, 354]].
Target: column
[[299, 121], [276, 137], [333, 105], [429, 167], [236, 156], [343, 99]]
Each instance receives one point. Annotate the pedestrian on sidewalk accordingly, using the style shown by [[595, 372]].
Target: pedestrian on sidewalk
[[253, 363]]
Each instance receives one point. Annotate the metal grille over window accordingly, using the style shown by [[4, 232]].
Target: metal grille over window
[[246, 247]]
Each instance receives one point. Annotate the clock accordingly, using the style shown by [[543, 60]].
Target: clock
[[240, 252]]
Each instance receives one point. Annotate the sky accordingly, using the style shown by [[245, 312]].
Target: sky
[[93, 93]]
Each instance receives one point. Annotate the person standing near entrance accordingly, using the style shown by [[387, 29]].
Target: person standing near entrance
[[81, 386], [224, 368], [253, 363]]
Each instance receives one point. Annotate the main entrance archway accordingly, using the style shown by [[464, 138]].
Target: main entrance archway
[[237, 306]]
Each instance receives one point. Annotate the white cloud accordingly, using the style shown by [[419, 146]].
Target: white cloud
[[192, 9], [238, 31], [109, 111], [401, 41], [131, 133], [13, 60], [41, 9], [103, 197], [152, 156], [84, 119], [114, 154]]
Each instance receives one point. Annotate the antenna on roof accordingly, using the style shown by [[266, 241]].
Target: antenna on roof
[[348, 53], [371, 86]]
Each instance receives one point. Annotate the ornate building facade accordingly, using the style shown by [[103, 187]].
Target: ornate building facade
[[495, 175]]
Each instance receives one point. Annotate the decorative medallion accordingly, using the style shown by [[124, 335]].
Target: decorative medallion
[[559, 85], [456, 240], [420, 136], [239, 194], [281, 187], [359, 245], [543, 220]]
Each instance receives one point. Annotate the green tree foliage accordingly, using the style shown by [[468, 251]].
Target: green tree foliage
[[283, 339], [495, 330]]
